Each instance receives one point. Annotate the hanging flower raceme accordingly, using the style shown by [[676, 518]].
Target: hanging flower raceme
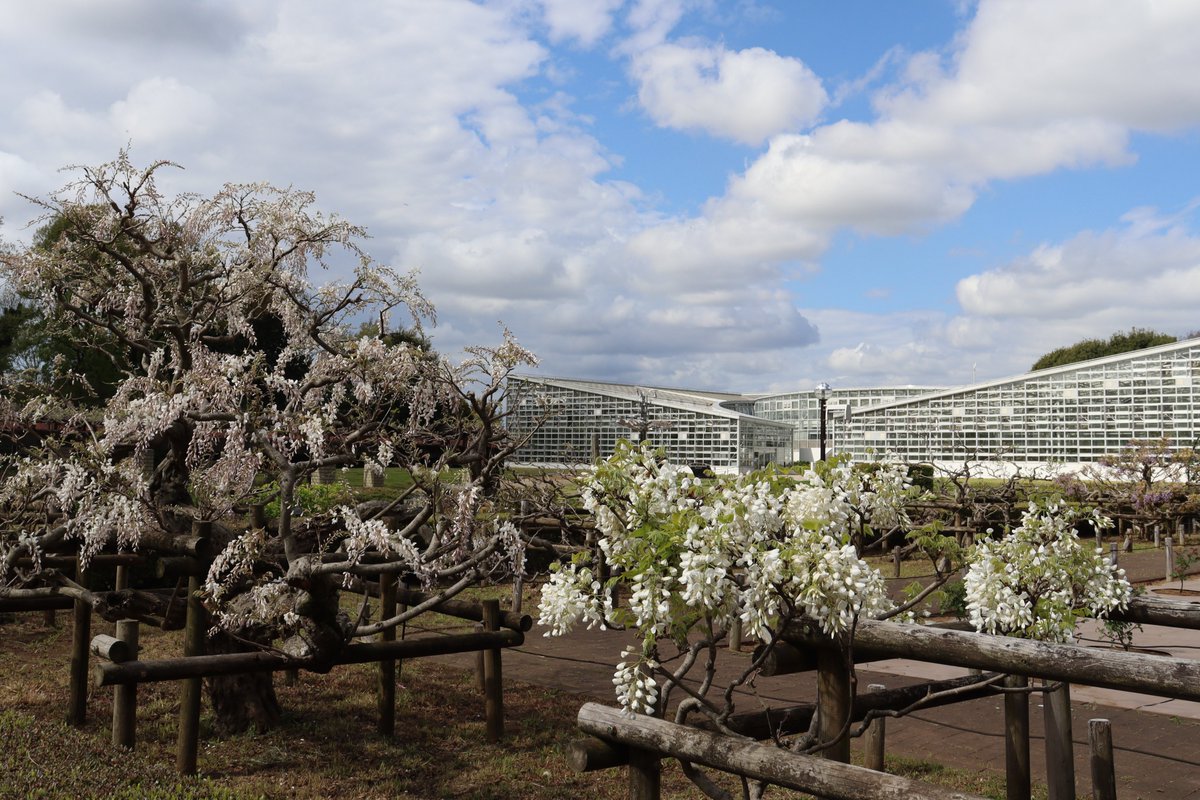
[[759, 548], [1036, 581]]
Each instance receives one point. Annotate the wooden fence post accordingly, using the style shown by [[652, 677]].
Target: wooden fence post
[[492, 686], [190, 693], [124, 726], [481, 665], [1104, 776], [873, 738], [518, 592], [1170, 565], [81, 635], [735, 634], [1016, 739], [387, 667], [833, 702], [645, 775], [1060, 761]]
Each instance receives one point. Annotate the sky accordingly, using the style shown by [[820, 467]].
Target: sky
[[743, 195]]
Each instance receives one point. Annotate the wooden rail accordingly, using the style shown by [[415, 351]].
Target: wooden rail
[[650, 738], [195, 667], [1163, 676]]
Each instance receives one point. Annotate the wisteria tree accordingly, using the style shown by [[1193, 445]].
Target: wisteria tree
[[765, 550], [699, 557], [1151, 479], [1038, 579], [241, 376]]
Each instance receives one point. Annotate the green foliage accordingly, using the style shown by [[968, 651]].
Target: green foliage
[[937, 546], [15, 324], [921, 476], [954, 599], [1118, 633], [311, 498], [35, 343], [1184, 560], [1119, 342]]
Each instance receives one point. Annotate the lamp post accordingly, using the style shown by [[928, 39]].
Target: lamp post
[[823, 390]]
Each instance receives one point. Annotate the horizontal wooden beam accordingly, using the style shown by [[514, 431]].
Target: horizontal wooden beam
[[776, 765], [1112, 669], [54, 603], [172, 669], [98, 560], [788, 659], [1155, 611], [453, 607], [587, 755]]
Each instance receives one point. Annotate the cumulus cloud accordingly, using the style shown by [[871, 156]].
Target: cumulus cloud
[[438, 125], [158, 110], [1025, 90], [584, 22], [1025, 64], [1151, 265], [650, 21], [744, 95], [1144, 272]]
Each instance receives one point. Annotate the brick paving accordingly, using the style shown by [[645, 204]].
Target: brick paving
[[1157, 754]]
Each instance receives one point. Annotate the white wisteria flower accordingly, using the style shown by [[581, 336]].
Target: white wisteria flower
[[1036, 581], [760, 548]]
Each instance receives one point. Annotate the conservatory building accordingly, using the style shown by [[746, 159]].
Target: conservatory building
[[1064, 416], [572, 422], [802, 410]]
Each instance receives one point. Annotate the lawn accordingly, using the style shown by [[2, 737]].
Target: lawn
[[326, 744]]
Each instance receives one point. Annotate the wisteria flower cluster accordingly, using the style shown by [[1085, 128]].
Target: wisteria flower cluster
[[237, 376], [1036, 581], [761, 548]]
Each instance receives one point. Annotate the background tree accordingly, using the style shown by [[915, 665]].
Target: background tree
[[1086, 349], [238, 379]]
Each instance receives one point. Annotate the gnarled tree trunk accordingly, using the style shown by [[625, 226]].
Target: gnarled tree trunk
[[241, 702]]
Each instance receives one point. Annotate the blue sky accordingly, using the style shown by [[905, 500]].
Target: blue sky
[[751, 195]]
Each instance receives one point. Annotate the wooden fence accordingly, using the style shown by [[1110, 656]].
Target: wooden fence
[[120, 667], [638, 742]]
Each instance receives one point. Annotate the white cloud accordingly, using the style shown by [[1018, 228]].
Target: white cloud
[[159, 110], [1029, 88], [744, 95], [890, 349], [438, 125], [46, 114], [1144, 273], [584, 22], [1148, 269], [1025, 64], [651, 21]]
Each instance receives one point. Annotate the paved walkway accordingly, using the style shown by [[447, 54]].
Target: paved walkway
[[1157, 743]]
